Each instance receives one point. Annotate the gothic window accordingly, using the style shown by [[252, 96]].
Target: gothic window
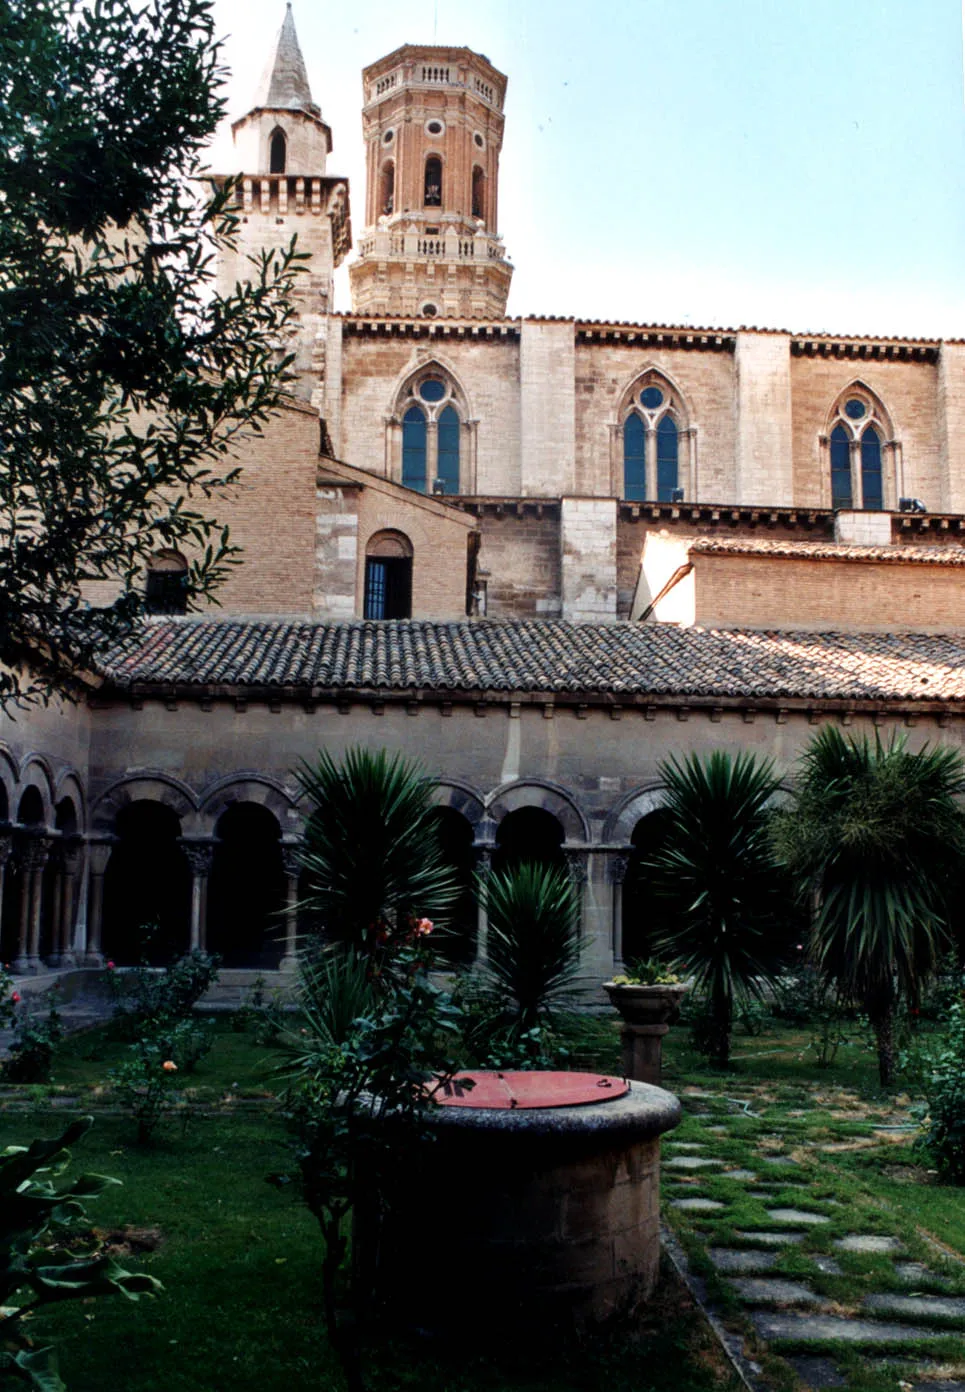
[[651, 441], [433, 182], [859, 442], [387, 189], [277, 152], [166, 588], [388, 577], [433, 415], [414, 449], [478, 192]]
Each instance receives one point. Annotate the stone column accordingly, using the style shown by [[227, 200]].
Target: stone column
[[6, 849], [484, 866], [70, 863], [199, 855], [617, 866], [291, 858], [596, 913], [35, 859], [98, 856]]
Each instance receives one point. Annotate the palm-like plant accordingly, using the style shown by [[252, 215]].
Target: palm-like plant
[[718, 896], [372, 852], [876, 837], [533, 948]]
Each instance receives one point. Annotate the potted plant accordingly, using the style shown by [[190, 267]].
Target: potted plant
[[648, 996]]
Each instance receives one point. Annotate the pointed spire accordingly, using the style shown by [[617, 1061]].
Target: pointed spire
[[284, 84]]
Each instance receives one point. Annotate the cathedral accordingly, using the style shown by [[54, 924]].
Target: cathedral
[[539, 555]]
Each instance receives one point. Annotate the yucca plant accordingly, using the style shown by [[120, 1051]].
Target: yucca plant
[[718, 896], [372, 850], [876, 839], [533, 947]]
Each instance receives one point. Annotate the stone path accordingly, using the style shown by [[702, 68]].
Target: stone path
[[791, 1256]]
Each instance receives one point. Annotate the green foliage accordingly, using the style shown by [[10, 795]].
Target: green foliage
[[533, 945], [647, 972], [125, 376], [720, 903], [37, 1216], [31, 1051], [146, 998], [941, 1076], [876, 838], [372, 851], [148, 1081]]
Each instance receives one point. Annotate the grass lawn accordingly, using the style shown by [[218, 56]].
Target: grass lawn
[[239, 1259]]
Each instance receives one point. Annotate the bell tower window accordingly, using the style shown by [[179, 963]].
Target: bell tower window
[[433, 182], [277, 153], [387, 190], [478, 192]]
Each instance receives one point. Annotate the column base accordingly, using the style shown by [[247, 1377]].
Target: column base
[[289, 963], [90, 958], [60, 960], [27, 966]]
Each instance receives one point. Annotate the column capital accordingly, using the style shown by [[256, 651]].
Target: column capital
[[199, 854], [36, 851], [291, 857], [99, 852], [6, 846], [576, 861], [618, 863]]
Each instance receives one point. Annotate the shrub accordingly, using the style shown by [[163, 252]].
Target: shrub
[[147, 1083], [942, 1067], [31, 1052], [146, 996]]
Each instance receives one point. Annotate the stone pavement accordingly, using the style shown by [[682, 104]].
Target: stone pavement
[[796, 1262]]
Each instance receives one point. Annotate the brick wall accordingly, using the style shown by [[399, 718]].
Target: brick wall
[[522, 556], [951, 426]]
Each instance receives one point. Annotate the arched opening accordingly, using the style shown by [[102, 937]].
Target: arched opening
[[872, 492], [457, 945], [246, 890], [637, 898], [59, 903], [447, 464], [478, 192], [277, 152], [388, 577], [840, 468], [666, 459], [414, 449], [147, 888], [433, 182], [634, 459], [529, 834], [30, 815], [30, 810], [166, 589], [387, 189]]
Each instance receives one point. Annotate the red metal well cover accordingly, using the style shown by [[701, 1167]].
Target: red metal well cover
[[529, 1089]]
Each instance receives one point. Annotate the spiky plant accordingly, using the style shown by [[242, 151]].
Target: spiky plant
[[717, 894], [372, 851], [877, 838], [533, 947]]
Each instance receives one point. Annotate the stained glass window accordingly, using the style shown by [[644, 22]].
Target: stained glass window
[[634, 459], [414, 449], [840, 468]]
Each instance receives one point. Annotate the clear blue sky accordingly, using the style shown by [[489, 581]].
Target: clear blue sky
[[789, 163]]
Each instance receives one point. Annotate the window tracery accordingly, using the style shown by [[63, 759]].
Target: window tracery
[[653, 426], [863, 457], [433, 416]]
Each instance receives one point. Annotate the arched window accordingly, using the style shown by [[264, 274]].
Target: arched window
[[651, 428], [840, 467], [166, 589], [388, 576], [666, 459], [414, 449], [433, 183], [634, 459], [277, 152], [387, 190], [433, 413], [872, 493], [447, 469], [478, 192], [862, 452]]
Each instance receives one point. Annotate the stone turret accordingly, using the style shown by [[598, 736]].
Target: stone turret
[[282, 147], [433, 128]]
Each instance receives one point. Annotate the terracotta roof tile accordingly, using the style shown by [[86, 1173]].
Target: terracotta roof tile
[[541, 656], [829, 551]]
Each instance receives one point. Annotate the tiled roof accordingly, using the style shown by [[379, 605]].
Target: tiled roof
[[829, 551], [485, 655]]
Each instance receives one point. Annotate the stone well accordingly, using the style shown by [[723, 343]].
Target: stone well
[[527, 1214]]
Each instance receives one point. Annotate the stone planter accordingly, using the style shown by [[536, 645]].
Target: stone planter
[[647, 1013]]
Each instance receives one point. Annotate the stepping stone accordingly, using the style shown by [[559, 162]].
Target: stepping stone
[[818, 1372], [812, 1327], [768, 1195], [696, 1205], [868, 1242], [945, 1307], [773, 1292], [687, 1145], [827, 1265], [797, 1215], [691, 1162], [735, 1260], [912, 1273], [738, 1174], [778, 1160], [718, 1130], [772, 1239]]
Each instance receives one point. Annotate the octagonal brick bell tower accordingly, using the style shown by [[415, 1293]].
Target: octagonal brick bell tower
[[433, 128]]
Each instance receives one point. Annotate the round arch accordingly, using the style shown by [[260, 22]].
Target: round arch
[[618, 827], [35, 773], [248, 787], [547, 796], [147, 787], [69, 787], [8, 782], [460, 797]]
